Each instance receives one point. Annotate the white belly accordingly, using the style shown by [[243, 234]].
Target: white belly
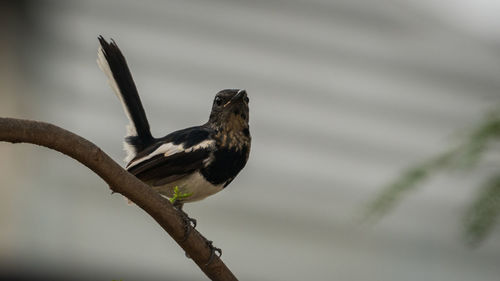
[[195, 184]]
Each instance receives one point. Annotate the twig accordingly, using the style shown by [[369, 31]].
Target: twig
[[120, 181]]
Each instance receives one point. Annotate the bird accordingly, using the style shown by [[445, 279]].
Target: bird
[[188, 164]]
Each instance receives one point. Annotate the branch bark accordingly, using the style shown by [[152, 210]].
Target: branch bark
[[120, 181]]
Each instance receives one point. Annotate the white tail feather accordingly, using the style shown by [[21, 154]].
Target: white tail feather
[[131, 130]]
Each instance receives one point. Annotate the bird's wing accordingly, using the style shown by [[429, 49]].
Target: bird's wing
[[174, 156]]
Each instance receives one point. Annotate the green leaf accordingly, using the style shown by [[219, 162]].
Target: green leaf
[[391, 194], [464, 156], [482, 214], [470, 152], [178, 195]]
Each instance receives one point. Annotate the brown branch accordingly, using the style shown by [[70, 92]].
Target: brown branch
[[120, 181]]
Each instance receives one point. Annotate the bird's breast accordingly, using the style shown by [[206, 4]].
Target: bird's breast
[[225, 164]]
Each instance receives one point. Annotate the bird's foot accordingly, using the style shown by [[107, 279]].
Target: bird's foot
[[189, 224], [213, 252]]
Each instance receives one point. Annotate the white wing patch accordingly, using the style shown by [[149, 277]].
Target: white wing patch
[[203, 144], [168, 149]]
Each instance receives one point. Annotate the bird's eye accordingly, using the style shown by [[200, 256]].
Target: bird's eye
[[218, 101], [246, 100]]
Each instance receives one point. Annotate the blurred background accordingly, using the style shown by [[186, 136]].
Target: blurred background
[[344, 95]]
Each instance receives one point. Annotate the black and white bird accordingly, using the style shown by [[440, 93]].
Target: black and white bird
[[197, 161]]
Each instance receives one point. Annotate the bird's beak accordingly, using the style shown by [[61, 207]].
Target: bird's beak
[[241, 93]]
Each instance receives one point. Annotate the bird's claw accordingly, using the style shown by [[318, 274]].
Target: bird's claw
[[192, 222], [213, 251], [189, 224]]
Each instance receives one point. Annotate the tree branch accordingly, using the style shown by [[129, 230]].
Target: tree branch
[[120, 181]]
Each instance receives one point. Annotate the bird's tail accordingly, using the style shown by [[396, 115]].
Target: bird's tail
[[113, 64]]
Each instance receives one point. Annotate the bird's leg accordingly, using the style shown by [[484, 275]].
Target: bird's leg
[[184, 214], [189, 223]]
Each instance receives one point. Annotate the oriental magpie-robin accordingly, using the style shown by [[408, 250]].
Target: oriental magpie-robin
[[197, 161]]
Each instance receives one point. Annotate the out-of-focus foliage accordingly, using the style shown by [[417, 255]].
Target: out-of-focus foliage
[[483, 212]]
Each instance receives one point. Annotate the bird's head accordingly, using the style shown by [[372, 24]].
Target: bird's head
[[230, 111]]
